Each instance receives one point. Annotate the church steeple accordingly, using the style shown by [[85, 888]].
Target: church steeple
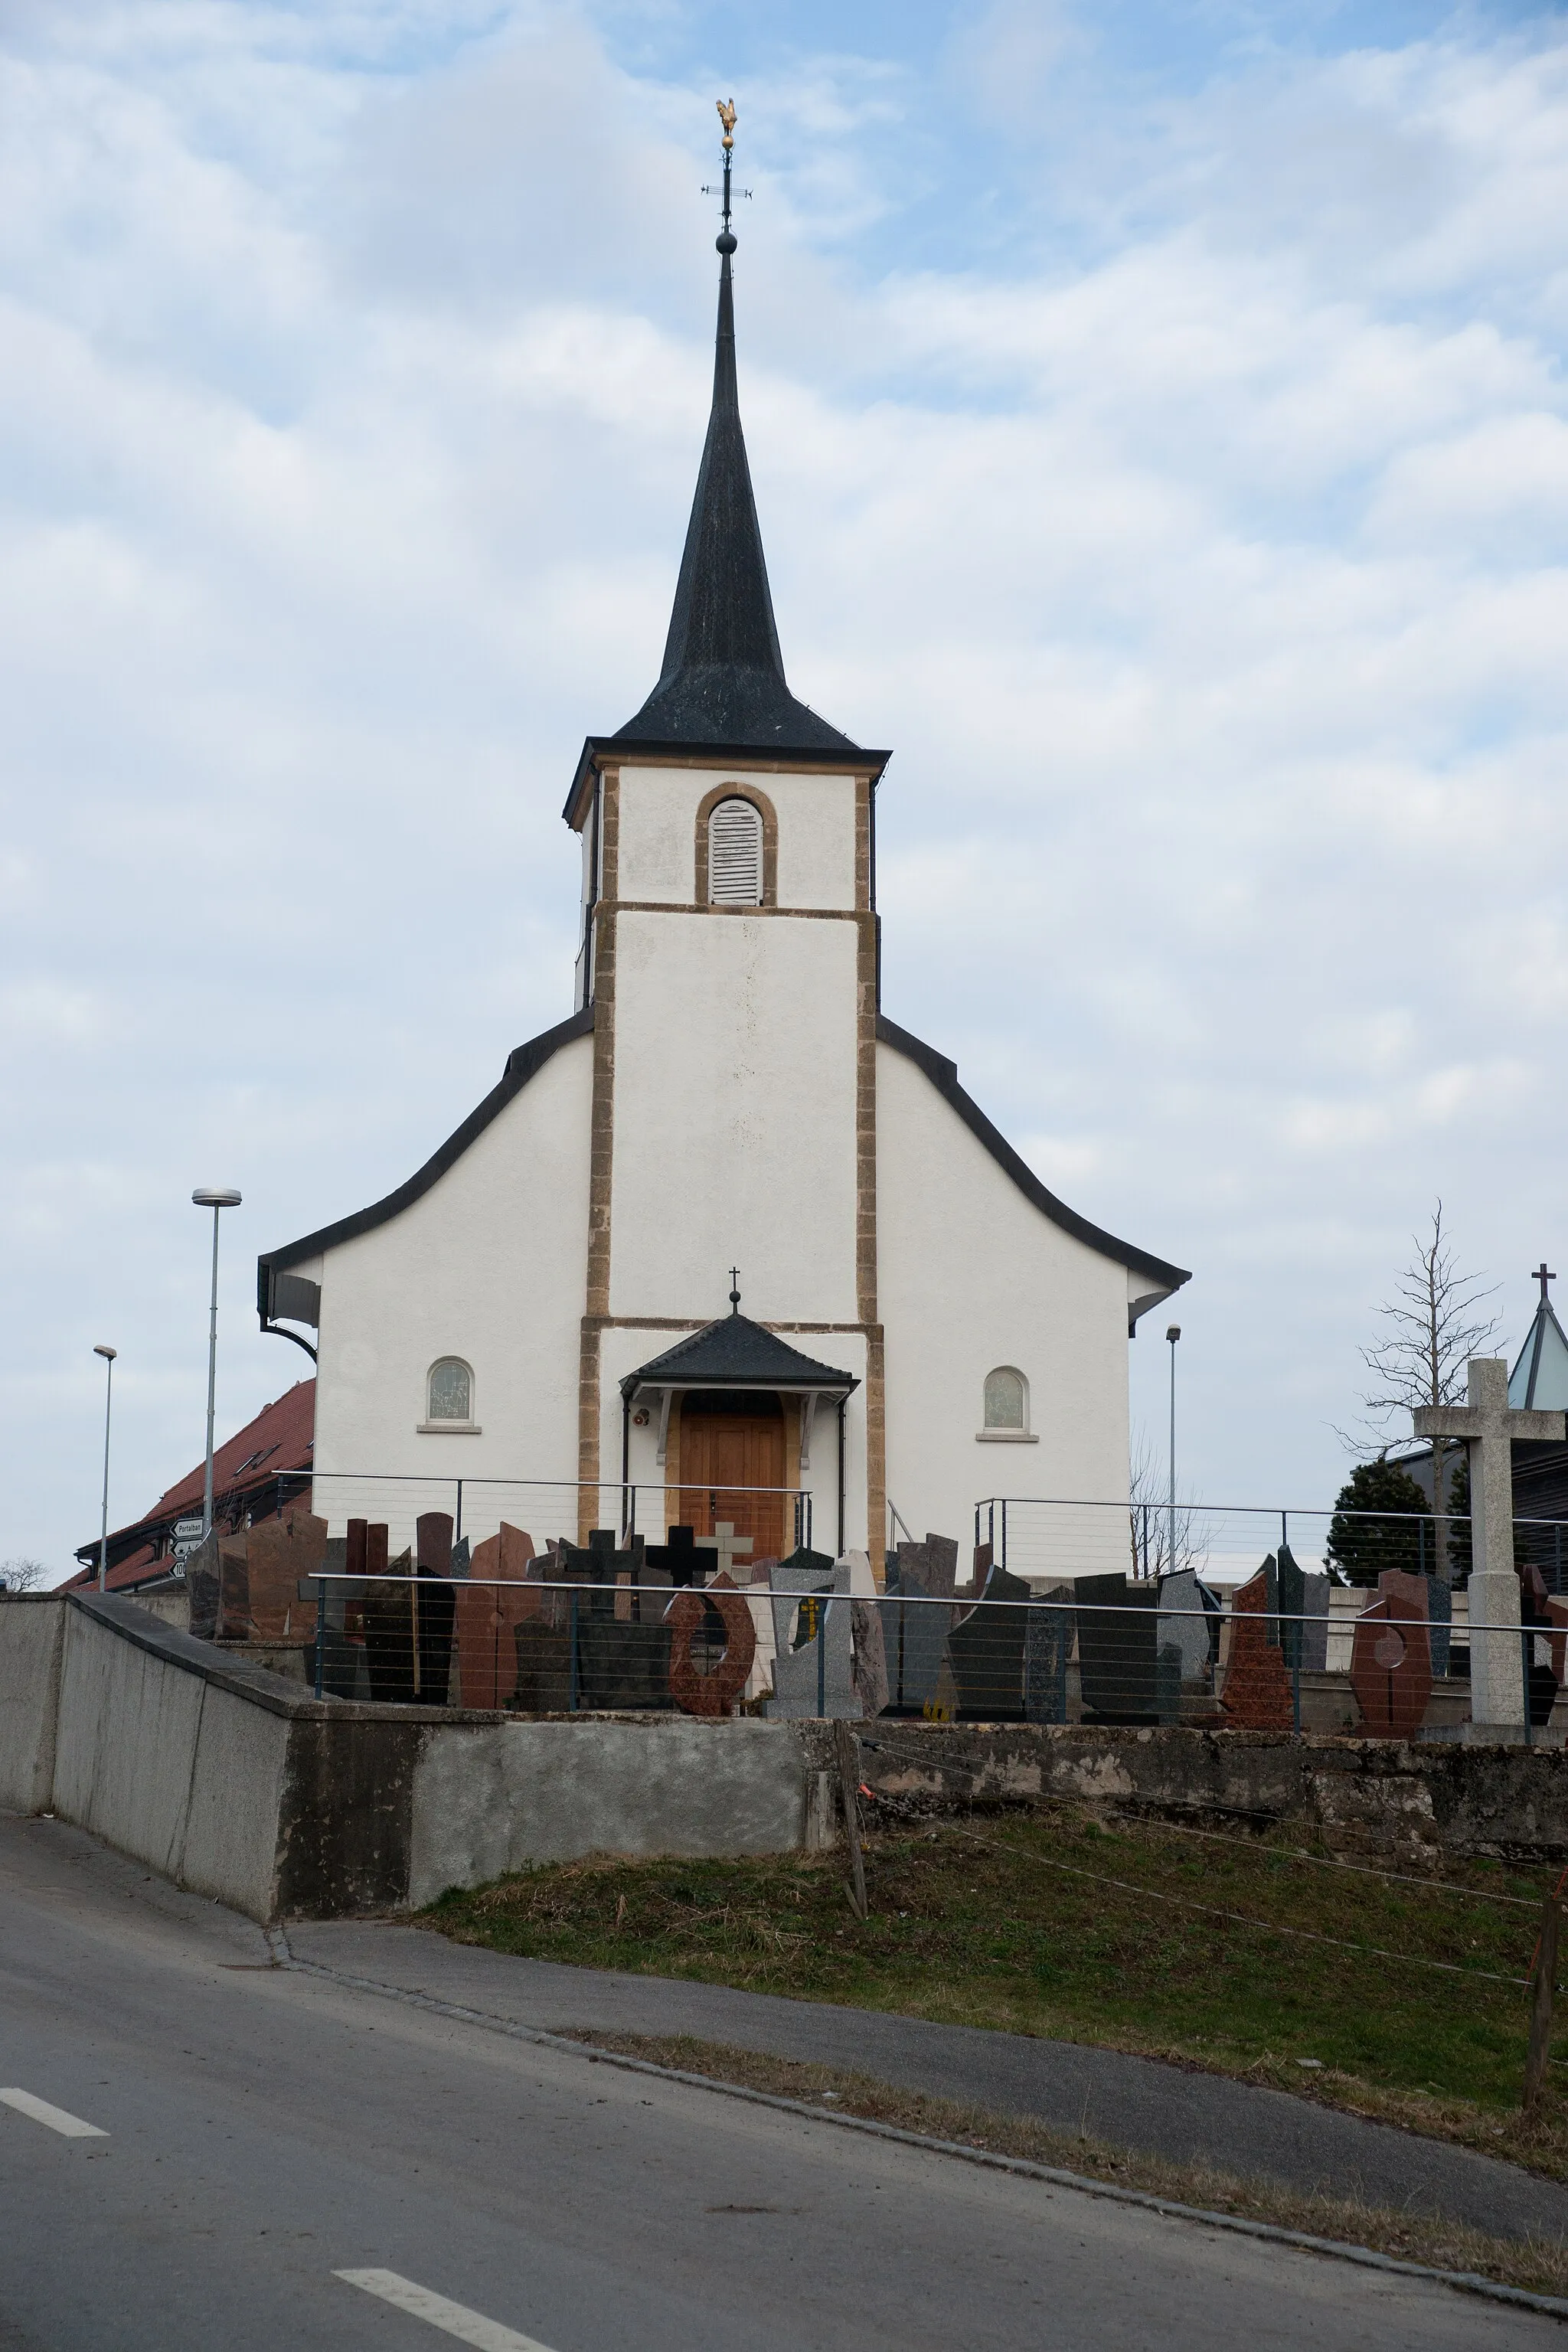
[[723, 679]]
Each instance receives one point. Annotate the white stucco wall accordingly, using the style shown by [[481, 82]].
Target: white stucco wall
[[658, 832], [734, 1116], [971, 1277], [488, 1265]]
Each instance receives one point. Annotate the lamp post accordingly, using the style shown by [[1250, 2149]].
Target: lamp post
[[216, 1197], [108, 1355], [1172, 1334]]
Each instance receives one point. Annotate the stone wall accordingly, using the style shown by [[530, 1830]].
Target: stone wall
[[1415, 1801]]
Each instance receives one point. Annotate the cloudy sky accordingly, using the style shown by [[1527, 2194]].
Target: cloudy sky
[[1158, 422]]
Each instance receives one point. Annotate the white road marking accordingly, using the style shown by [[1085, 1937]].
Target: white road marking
[[455, 2318], [67, 2126]]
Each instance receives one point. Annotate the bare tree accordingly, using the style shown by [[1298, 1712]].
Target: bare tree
[[1432, 1326], [1152, 1530], [22, 1575]]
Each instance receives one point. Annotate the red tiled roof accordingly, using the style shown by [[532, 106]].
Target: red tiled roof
[[279, 1438]]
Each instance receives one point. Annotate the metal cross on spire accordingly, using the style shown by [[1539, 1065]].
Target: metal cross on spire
[[1544, 1278], [734, 1290], [725, 240]]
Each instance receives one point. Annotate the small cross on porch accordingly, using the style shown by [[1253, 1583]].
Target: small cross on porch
[[1489, 1427]]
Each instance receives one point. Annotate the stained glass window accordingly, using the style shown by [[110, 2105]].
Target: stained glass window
[[1006, 1398], [451, 1391]]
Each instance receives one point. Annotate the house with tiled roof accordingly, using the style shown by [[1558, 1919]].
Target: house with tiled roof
[[262, 1469]]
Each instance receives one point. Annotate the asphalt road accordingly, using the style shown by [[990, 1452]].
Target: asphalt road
[[260, 2132], [1132, 2102]]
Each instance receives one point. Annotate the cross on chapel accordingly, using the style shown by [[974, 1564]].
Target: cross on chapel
[[1489, 1426]]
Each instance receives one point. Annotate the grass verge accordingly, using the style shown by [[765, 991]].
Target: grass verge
[[1448, 2246], [1244, 1957]]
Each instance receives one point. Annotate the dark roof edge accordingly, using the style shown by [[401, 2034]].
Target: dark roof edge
[[944, 1076], [524, 1062], [624, 750]]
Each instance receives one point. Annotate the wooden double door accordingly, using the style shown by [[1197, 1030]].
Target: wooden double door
[[730, 1447]]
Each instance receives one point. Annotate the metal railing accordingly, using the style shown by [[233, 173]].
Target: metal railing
[[767, 1521]]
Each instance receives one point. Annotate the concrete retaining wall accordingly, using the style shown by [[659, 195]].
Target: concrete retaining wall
[[502, 1795], [32, 1631], [163, 1762]]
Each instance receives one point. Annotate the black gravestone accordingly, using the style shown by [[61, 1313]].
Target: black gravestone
[[1118, 1629], [987, 1652], [682, 1559]]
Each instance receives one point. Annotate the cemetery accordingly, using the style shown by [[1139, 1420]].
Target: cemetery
[[307, 1724]]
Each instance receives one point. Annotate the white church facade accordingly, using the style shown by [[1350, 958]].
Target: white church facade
[[914, 1322]]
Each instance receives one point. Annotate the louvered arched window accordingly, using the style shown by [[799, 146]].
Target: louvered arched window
[[735, 854]]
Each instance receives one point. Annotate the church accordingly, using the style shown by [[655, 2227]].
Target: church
[[727, 1244]]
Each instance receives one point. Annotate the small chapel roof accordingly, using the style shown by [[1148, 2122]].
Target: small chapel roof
[[736, 1353], [723, 679], [1539, 1380]]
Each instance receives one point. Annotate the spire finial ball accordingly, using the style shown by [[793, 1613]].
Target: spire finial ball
[[725, 242]]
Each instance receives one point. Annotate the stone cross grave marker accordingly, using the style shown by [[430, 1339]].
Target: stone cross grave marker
[[1489, 1425], [729, 1546]]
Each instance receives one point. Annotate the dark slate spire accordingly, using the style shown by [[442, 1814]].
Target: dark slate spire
[[723, 679]]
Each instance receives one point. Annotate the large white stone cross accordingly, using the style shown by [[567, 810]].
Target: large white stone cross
[[1489, 1426]]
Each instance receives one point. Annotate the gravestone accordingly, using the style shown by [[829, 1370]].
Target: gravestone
[[543, 1668], [1118, 1629], [870, 1657], [697, 1682], [986, 1651], [813, 1660], [1257, 1695], [1489, 1427], [1391, 1660], [344, 1672], [277, 1553], [1183, 1627], [389, 1620], [1315, 1633], [914, 1629], [494, 1599], [1048, 1650], [683, 1558]]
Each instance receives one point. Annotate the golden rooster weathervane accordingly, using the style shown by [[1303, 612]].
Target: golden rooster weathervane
[[726, 107]]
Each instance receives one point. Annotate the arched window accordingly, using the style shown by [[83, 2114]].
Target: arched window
[[735, 854], [450, 1390], [1006, 1402]]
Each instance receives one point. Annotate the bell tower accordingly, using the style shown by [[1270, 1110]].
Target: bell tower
[[728, 956]]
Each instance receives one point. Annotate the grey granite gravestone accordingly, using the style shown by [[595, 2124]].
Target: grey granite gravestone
[[1117, 1648], [1315, 1633], [813, 1660], [914, 1628], [1048, 1648]]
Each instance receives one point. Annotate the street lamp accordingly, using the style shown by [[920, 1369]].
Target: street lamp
[[216, 1197], [1172, 1334], [108, 1355]]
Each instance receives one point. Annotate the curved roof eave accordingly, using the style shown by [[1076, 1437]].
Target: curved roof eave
[[523, 1063], [944, 1076]]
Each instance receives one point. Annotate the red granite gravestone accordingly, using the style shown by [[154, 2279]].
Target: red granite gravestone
[[1391, 1661], [715, 1693], [277, 1553], [489, 1614], [1256, 1695]]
